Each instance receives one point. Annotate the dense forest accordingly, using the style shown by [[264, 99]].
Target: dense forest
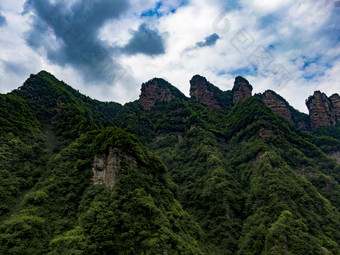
[[80, 176]]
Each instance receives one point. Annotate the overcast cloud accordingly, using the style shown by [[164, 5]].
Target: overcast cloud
[[2, 20], [145, 41], [209, 40], [107, 48]]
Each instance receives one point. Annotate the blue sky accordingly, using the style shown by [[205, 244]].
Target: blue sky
[[108, 48]]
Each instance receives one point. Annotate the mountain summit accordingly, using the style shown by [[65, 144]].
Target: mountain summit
[[204, 92], [241, 90], [323, 111], [221, 172], [157, 90]]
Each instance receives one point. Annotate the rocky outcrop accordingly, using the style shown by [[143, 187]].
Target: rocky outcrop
[[320, 110], [202, 91], [336, 156], [106, 168], [241, 90], [277, 104], [335, 101], [157, 90]]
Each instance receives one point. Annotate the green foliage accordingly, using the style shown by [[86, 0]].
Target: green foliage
[[23, 234], [288, 236], [240, 180], [139, 215], [276, 191], [72, 113]]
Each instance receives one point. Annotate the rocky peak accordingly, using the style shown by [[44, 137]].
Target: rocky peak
[[335, 101], [157, 90], [203, 91], [277, 104], [320, 110], [241, 90]]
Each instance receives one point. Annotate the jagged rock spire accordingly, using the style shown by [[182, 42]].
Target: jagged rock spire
[[241, 90], [157, 90]]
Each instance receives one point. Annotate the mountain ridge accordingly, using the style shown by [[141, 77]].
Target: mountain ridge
[[180, 177], [158, 90]]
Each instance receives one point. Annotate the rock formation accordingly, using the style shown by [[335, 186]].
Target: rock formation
[[202, 91], [241, 90], [335, 101], [320, 110], [335, 155], [277, 104], [157, 90], [106, 167], [323, 111]]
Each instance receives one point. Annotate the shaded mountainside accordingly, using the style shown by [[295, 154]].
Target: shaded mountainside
[[66, 213], [53, 101], [234, 173]]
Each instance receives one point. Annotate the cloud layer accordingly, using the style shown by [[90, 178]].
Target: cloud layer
[[107, 48], [209, 40], [2, 20], [75, 29], [145, 41]]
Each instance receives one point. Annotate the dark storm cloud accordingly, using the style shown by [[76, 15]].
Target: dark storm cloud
[[3, 21], [37, 34], [145, 41], [16, 68], [209, 40], [76, 29]]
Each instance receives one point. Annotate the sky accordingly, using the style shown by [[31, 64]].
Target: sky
[[107, 48]]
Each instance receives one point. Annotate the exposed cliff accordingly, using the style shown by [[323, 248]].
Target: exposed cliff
[[157, 90], [320, 110], [106, 167], [241, 90], [277, 104], [335, 101], [202, 91]]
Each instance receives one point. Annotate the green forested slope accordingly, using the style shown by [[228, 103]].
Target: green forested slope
[[242, 180], [238, 179], [66, 214]]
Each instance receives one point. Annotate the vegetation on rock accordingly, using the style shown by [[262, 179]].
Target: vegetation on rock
[[237, 179]]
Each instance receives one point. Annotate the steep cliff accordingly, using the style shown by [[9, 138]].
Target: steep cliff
[[335, 101], [106, 167], [320, 110], [241, 90], [157, 90], [202, 91], [277, 104]]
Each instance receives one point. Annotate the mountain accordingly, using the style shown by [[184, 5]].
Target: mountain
[[104, 193], [157, 90], [324, 111], [221, 172]]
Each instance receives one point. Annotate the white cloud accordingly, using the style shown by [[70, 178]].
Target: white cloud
[[294, 32], [265, 6]]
